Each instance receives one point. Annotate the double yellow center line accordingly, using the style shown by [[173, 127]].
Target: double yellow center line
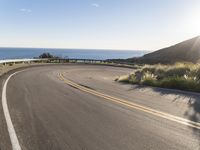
[[132, 105]]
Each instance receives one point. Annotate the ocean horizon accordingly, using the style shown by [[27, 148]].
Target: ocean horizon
[[19, 53]]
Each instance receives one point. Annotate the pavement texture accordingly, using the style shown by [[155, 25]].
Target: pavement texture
[[48, 114]]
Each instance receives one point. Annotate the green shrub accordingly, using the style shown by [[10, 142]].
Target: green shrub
[[197, 71], [149, 82], [180, 72], [180, 83]]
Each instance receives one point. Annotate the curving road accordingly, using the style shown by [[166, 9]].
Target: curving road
[[81, 107]]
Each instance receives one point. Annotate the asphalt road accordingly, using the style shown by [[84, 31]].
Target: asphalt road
[[48, 113]]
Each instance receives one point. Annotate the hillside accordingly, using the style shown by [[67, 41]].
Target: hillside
[[187, 51]]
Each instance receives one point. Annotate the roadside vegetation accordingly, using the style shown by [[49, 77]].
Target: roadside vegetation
[[183, 76], [48, 55], [5, 68]]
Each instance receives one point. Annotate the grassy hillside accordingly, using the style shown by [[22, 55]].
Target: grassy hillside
[[183, 76], [187, 51]]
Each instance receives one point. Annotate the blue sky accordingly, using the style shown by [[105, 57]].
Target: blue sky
[[99, 24]]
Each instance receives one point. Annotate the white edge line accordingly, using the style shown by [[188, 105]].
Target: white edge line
[[11, 130]]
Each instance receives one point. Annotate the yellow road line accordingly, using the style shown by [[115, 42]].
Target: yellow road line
[[133, 105]]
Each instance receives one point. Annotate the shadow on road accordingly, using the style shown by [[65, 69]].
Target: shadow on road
[[191, 99]]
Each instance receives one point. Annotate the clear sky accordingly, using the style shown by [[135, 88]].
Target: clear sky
[[99, 24]]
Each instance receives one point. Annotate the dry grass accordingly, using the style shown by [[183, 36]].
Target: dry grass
[[6, 68], [184, 76]]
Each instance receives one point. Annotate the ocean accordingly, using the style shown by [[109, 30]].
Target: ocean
[[15, 53]]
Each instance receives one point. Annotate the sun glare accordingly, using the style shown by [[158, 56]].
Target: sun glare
[[193, 21]]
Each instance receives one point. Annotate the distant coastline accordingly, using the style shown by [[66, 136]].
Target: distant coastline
[[14, 53]]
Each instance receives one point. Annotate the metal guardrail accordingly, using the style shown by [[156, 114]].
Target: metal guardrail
[[50, 60], [69, 60], [17, 60]]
